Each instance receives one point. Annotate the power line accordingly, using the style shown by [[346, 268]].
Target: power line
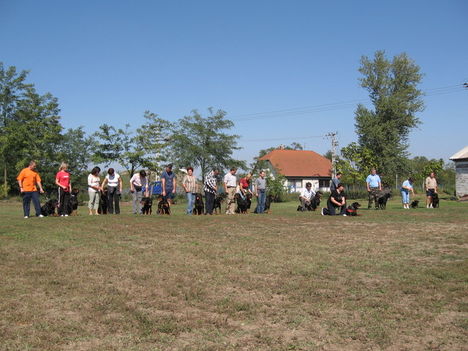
[[298, 111], [283, 138]]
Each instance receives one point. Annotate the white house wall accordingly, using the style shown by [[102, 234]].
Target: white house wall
[[461, 178]]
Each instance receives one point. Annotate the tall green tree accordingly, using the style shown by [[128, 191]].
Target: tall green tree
[[12, 89], [204, 142], [393, 90], [154, 137], [117, 145]]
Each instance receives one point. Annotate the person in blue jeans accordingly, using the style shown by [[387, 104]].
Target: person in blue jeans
[[260, 192], [189, 184], [406, 188], [168, 184]]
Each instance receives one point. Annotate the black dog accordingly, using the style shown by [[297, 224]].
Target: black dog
[[415, 204], [315, 202], [199, 206], [351, 210], [382, 200], [243, 203], [435, 200], [49, 208], [103, 203], [73, 203], [218, 201], [147, 208], [163, 206]]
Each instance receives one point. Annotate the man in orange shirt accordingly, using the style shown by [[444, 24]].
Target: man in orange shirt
[[27, 181]]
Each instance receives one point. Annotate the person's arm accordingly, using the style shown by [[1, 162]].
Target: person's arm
[[184, 184], [367, 183], [58, 184], [380, 185], [335, 202], [39, 184], [174, 183], [120, 184], [104, 182], [163, 186], [20, 181], [132, 188], [146, 187]]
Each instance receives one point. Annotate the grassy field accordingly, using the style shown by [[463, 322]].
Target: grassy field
[[387, 280]]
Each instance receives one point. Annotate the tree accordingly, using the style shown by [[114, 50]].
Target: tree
[[154, 137], [202, 142], [12, 88], [384, 130], [117, 145]]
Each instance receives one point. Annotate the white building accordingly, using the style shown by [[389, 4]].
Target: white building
[[461, 167], [300, 167]]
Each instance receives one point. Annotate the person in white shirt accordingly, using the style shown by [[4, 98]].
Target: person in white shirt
[[114, 189], [138, 182], [230, 185], [94, 190], [306, 196]]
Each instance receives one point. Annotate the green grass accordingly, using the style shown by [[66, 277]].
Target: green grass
[[390, 280]]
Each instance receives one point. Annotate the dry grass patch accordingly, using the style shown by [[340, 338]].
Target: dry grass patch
[[285, 281]]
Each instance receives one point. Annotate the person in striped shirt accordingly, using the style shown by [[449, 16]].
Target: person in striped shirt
[[211, 188]]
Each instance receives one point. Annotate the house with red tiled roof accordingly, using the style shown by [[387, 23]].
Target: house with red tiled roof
[[300, 167]]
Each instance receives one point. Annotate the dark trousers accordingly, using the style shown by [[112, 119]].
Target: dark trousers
[[27, 196], [210, 197], [64, 200], [331, 209], [113, 200]]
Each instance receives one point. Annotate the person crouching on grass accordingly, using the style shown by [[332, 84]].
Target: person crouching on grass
[[406, 188], [336, 204]]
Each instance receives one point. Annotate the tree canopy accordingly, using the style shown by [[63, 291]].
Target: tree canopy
[[204, 142]]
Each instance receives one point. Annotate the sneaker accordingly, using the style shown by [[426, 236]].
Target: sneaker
[[26, 217], [345, 215], [40, 216], [61, 215], [321, 212], [66, 215]]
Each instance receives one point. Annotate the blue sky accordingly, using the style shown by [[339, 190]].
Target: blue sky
[[109, 61]]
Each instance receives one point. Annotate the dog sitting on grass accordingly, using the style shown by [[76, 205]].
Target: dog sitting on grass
[[103, 203], [199, 206], [73, 203], [383, 198], [435, 200], [351, 210], [50, 208], [243, 203], [217, 203], [147, 206], [414, 204], [163, 206]]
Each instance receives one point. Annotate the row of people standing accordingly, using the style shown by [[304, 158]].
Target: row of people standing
[[244, 188]]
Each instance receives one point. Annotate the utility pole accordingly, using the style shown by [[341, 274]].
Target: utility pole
[[334, 145]]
